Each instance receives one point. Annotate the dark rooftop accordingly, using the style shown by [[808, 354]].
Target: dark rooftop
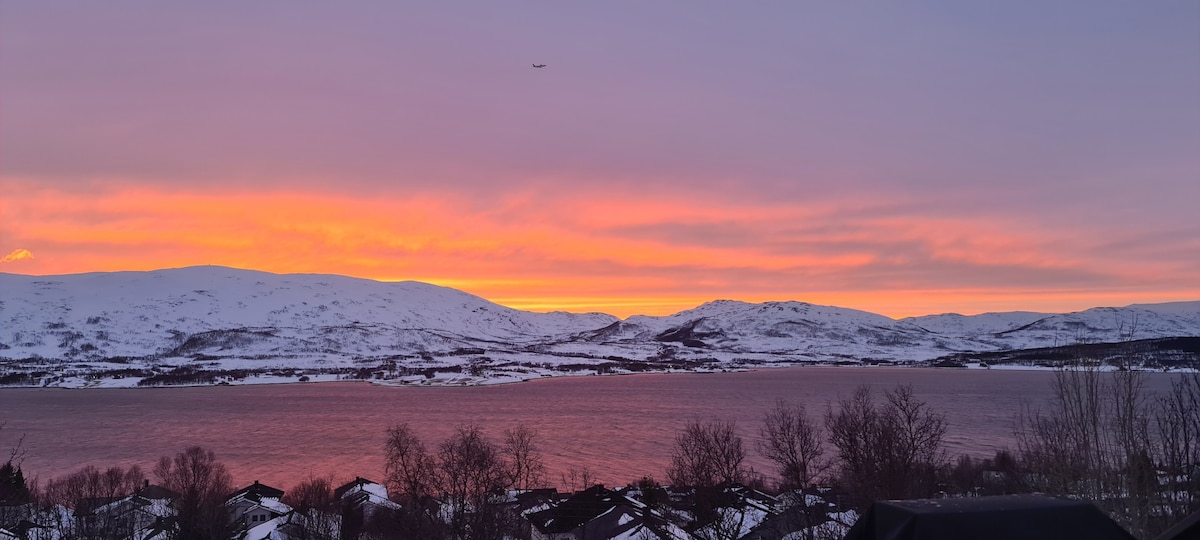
[[257, 491]]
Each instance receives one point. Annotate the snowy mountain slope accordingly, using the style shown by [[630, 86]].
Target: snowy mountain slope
[[968, 326], [139, 313], [797, 328], [792, 328], [232, 319], [1186, 309], [1025, 330]]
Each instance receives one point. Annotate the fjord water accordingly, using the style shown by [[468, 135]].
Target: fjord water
[[618, 427]]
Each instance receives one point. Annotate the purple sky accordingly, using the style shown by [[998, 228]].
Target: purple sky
[[772, 136]]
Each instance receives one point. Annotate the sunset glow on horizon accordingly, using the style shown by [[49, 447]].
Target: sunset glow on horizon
[[904, 160], [544, 254]]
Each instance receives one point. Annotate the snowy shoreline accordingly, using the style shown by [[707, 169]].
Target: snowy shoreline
[[459, 380]]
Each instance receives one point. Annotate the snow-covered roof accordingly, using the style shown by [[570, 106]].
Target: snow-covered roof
[[265, 530], [363, 491]]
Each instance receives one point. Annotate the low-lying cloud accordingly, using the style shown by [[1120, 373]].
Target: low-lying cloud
[[17, 255]]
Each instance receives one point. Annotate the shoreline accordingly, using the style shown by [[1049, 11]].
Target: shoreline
[[470, 381]]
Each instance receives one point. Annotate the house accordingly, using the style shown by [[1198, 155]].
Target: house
[[149, 509], [527, 501], [363, 503], [124, 517], [370, 497], [25, 530], [315, 525], [807, 513], [46, 523], [730, 510], [255, 504], [801, 522], [519, 503], [598, 513]]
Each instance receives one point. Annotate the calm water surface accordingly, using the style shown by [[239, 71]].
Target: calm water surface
[[618, 427]]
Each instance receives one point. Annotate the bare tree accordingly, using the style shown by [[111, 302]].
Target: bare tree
[[855, 430], [412, 472], [316, 510], [1178, 429], [707, 454], [1129, 428], [413, 476], [473, 472], [724, 523], [888, 451], [525, 458], [578, 478], [16, 454], [1049, 452], [792, 441], [470, 474], [1069, 445], [203, 484], [1094, 441], [921, 430], [311, 493], [88, 492]]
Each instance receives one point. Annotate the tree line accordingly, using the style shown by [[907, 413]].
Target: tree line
[[1102, 437]]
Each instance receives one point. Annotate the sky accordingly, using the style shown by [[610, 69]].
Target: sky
[[904, 158]]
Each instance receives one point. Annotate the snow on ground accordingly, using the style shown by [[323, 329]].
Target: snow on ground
[[117, 329]]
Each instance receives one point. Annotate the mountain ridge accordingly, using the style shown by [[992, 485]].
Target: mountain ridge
[[230, 320]]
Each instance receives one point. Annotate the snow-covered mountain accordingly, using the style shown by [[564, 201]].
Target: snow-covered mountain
[[142, 325], [213, 309], [1026, 330], [791, 329]]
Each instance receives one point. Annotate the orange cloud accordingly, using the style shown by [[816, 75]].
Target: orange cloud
[[621, 253], [17, 255]]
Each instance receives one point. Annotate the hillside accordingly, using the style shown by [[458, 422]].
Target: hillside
[[211, 324]]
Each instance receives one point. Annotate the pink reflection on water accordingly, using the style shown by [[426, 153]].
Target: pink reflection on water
[[620, 428]]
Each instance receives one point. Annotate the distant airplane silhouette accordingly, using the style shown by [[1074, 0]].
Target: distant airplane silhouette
[[539, 65]]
